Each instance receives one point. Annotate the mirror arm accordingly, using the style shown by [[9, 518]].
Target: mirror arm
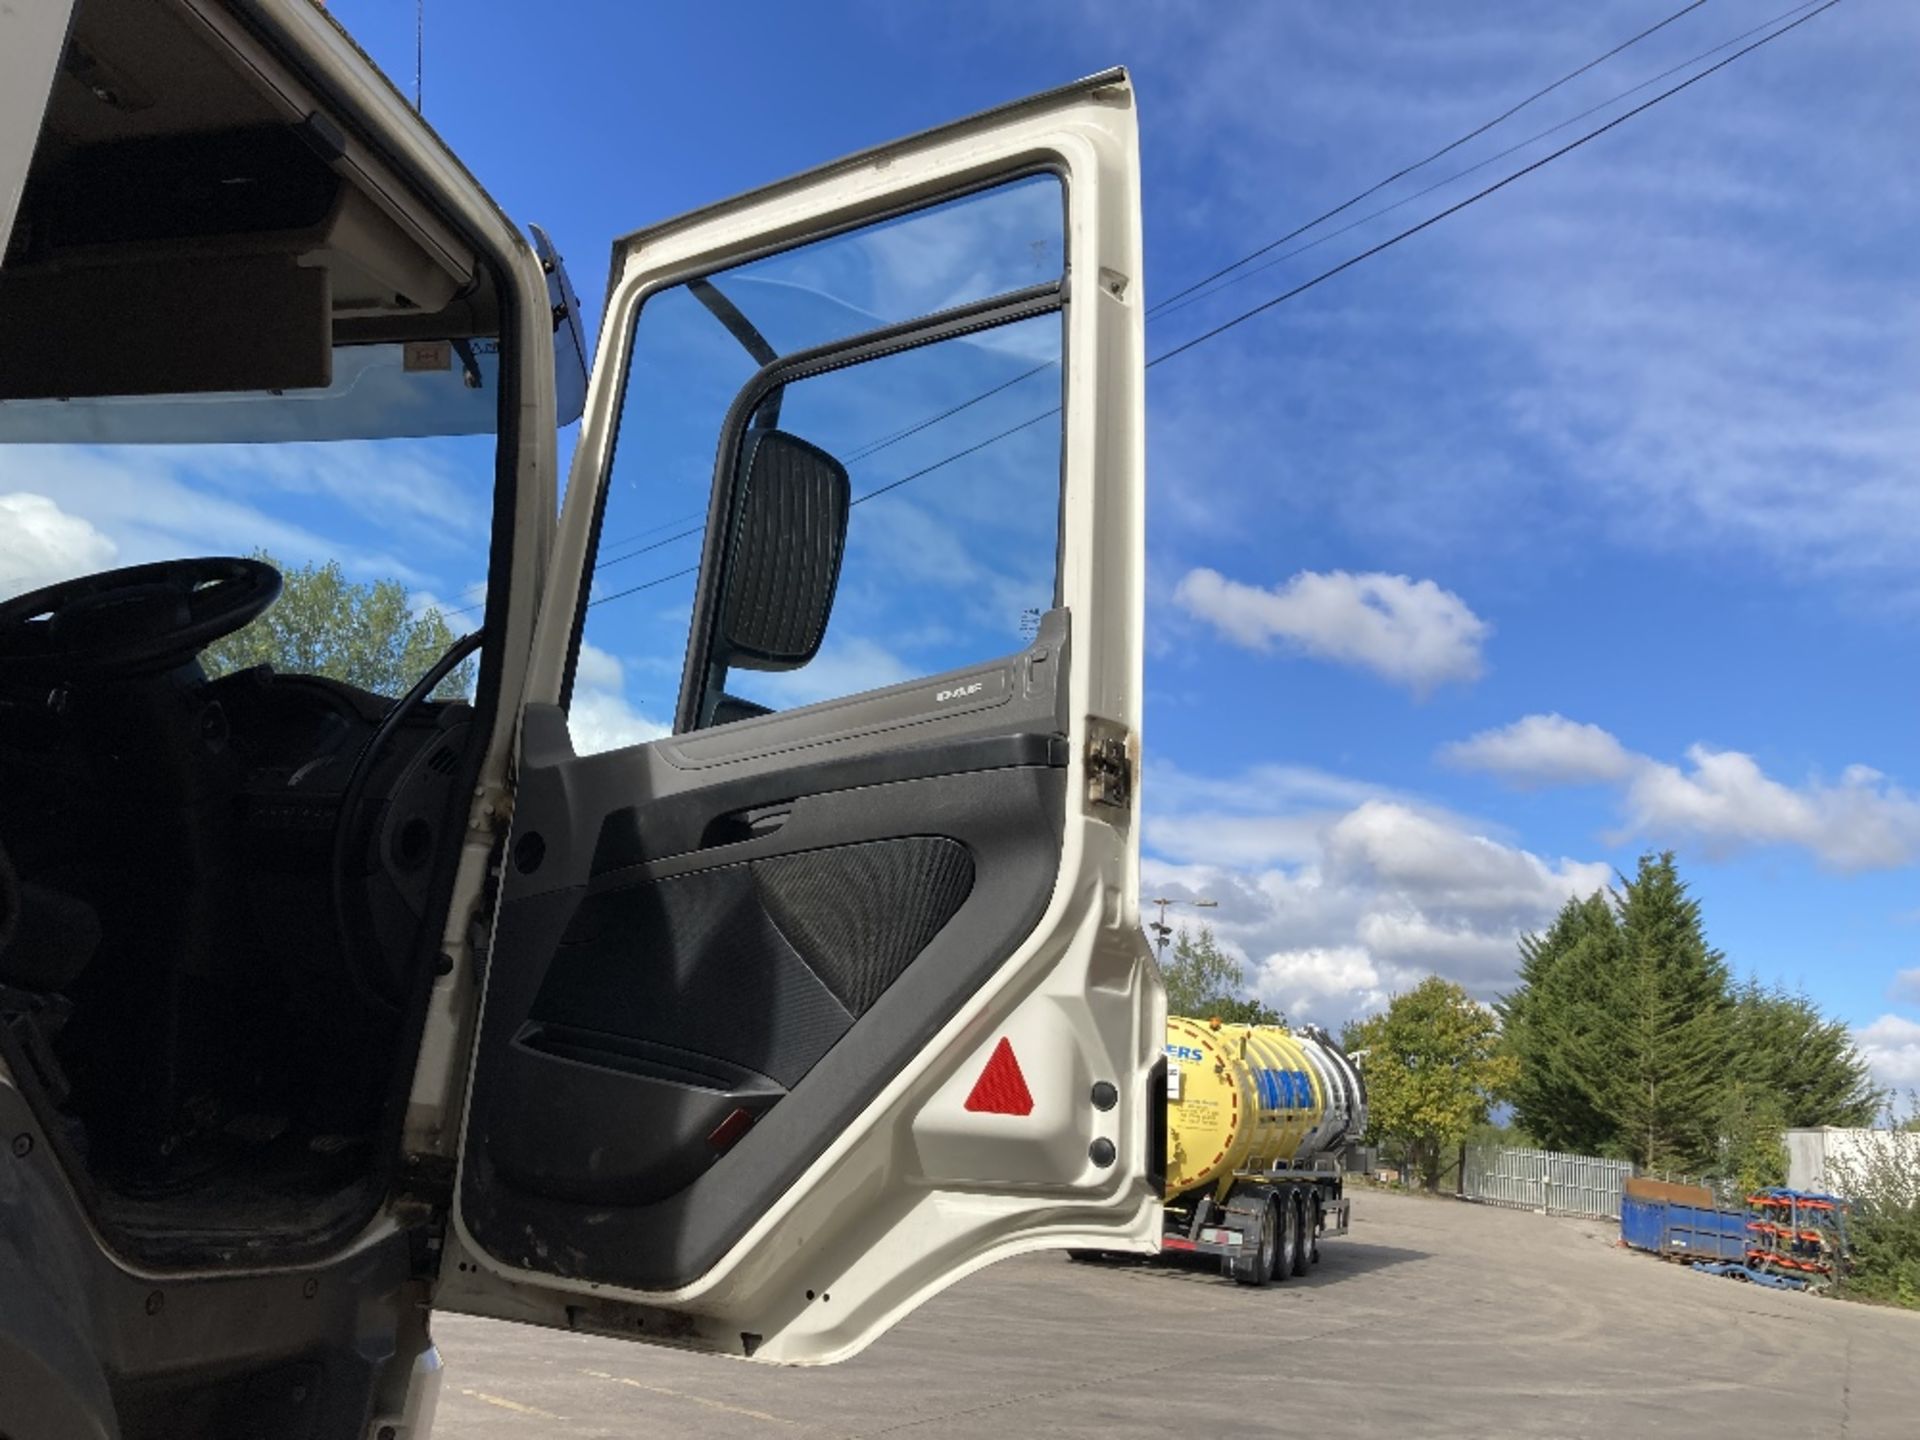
[[767, 416]]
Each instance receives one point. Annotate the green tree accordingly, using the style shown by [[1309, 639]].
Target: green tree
[[1557, 1024], [1881, 1181], [324, 624], [1434, 1067], [1204, 981], [1632, 1040], [1753, 1149], [1667, 1051], [1802, 1060]]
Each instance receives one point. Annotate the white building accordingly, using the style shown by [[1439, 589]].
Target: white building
[[1818, 1159]]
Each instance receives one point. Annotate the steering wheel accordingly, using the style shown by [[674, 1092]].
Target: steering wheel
[[135, 621]]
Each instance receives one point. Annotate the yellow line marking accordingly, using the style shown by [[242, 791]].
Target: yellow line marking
[[514, 1405], [696, 1399]]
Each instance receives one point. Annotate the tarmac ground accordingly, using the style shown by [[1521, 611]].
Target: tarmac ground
[[1431, 1318]]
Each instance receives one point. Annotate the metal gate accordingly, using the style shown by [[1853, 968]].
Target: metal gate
[[1544, 1180]]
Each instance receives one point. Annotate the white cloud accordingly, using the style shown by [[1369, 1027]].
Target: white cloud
[[159, 502], [1721, 798], [1354, 893], [1411, 632], [600, 717], [1905, 988], [1693, 337], [1862, 823], [1447, 874], [1891, 1046], [40, 544], [1238, 839], [1332, 981], [1270, 814], [1544, 750]]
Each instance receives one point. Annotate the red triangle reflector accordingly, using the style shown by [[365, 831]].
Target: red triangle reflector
[[1001, 1088]]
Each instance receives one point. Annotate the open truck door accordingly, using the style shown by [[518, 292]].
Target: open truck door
[[816, 980]]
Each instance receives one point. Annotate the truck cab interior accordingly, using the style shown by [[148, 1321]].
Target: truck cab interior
[[220, 895]]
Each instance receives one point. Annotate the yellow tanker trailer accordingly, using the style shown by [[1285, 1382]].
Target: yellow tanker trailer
[[1256, 1115]]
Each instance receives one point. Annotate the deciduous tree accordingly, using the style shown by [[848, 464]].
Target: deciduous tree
[[366, 634], [1434, 1067], [1204, 981]]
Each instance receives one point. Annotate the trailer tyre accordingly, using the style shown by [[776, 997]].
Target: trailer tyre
[[1289, 1236], [1316, 1217], [1262, 1265], [1302, 1234]]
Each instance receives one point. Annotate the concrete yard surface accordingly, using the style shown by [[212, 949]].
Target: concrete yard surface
[[1432, 1318]]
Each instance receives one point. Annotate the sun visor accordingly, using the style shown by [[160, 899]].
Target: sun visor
[[166, 327]]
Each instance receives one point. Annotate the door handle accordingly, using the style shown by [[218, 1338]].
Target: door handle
[[739, 826]]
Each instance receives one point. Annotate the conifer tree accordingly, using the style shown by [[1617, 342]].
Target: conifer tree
[[1668, 1052], [1632, 1040], [1803, 1060], [1554, 1024]]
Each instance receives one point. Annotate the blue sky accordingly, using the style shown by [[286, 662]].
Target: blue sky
[[1579, 524]]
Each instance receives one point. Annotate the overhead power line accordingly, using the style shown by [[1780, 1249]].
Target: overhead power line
[[1180, 298], [1205, 336], [1245, 315], [1407, 170], [1194, 294], [644, 585], [1173, 301]]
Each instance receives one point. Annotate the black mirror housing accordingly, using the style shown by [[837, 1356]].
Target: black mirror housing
[[783, 563]]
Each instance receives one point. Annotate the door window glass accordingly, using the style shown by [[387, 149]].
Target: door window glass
[[952, 448]]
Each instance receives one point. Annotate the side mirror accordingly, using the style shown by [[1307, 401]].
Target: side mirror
[[783, 557]]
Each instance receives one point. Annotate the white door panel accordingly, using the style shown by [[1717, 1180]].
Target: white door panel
[[903, 1148]]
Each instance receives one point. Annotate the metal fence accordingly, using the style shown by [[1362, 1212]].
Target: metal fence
[[1544, 1180]]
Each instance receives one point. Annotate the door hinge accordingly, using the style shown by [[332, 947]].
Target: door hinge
[[492, 809], [1112, 755], [427, 1178]]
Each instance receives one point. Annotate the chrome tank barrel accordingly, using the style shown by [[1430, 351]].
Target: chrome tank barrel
[[1254, 1097]]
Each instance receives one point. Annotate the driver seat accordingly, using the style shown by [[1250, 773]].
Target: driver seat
[[46, 939]]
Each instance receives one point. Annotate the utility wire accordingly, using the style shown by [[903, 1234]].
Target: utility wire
[[1173, 301], [1245, 315], [857, 500], [656, 545], [1331, 271], [1407, 170], [1193, 295], [654, 529], [875, 447], [644, 585]]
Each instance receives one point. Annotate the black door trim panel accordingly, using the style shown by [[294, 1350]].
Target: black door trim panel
[[695, 820], [1010, 820]]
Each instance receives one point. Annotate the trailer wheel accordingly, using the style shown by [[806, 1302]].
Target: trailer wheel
[[1303, 1234], [1259, 1267], [1318, 1218], [1289, 1236]]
